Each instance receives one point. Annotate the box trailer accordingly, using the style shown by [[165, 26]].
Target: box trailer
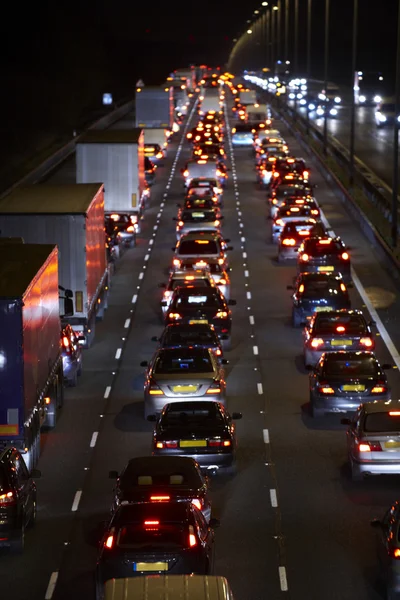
[[154, 107], [31, 371], [155, 136], [72, 217], [248, 97]]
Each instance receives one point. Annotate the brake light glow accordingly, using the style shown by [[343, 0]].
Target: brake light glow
[[304, 232], [316, 342], [174, 316], [201, 263], [305, 174], [275, 174], [167, 444], [369, 447], [218, 352], [288, 242], [192, 537], [213, 390], [151, 523], [222, 281], [180, 223], [189, 135], [130, 229], [114, 217], [314, 211], [340, 329], [394, 552], [109, 543], [216, 223], [221, 314], [301, 288], [378, 389], [218, 443], [394, 413], [156, 391], [7, 499], [189, 277], [279, 222], [220, 261], [186, 173], [160, 498], [325, 389], [197, 503], [367, 342], [304, 257], [176, 262], [290, 160], [65, 342], [345, 256], [342, 287]]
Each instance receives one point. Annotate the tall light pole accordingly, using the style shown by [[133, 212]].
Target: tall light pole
[[296, 37], [309, 23], [278, 37], [272, 42], [286, 30], [353, 103], [395, 182], [268, 37], [326, 62]]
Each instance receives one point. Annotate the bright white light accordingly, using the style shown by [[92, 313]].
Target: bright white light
[[303, 87], [311, 106], [299, 96], [3, 360], [362, 99], [333, 112], [303, 81], [264, 4], [359, 73], [287, 62], [380, 78], [249, 31], [320, 111], [322, 96], [303, 102], [338, 99], [377, 99], [292, 96], [380, 117]]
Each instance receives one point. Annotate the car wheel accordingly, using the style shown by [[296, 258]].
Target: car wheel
[[227, 344], [18, 543], [231, 471], [73, 381], [316, 413], [356, 476], [32, 520], [296, 319]]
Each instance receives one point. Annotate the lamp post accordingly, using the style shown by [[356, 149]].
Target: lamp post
[[268, 37], [326, 61], [309, 23], [272, 43], [287, 30], [353, 103], [395, 182], [278, 37], [296, 37]]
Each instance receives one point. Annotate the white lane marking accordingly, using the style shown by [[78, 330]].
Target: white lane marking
[[107, 392], [155, 227], [282, 579], [159, 215], [118, 353], [251, 319], [127, 323], [394, 353], [260, 388], [134, 298], [94, 439], [239, 213], [141, 275], [146, 258], [248, 294], [244, 254], [255, 350], [52, 585], [246, 273], [274, 499], [242, 239], [266, 436], [151, 242], [76, 501]]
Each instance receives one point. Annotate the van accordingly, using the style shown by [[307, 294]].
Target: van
[[201, 169], [165, 587]]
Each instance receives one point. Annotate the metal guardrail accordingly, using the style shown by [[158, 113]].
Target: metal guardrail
[[65, 151]]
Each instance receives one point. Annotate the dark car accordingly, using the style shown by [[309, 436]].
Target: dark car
[[149, 171], [206, 202], [341, 381], [202, 430], [293, 235], [388, 549], [315, 292], [155, 539], [71, 353], [181, 335], [126, 227], [202, 305], [162, 479], [324, 255], [17, 499], [276, 195], [336, 330]]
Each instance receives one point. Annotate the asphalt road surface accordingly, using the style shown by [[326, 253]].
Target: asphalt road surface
[[293, 525]]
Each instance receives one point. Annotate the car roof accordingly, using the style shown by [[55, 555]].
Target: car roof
[[381, 406], [350, 355], [161, 464]]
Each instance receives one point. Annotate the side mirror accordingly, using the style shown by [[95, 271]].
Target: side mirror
[[113, 474], [386, 366], [162, 285], [289, 287], [376, 523], [214, 523], [144, 363], [36, 473], [232, 302], [152, 418], [155, 339], [236, 415], [224, 361], [345, 421], [164, 303]]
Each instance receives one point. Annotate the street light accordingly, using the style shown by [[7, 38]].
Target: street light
[[264, 4], [309, 23], [395, 182], [256, 12], [287, 30], [326, 74], [249, 31], [353, 100]]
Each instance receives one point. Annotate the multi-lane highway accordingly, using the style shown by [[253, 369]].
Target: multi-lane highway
[[292, 523]]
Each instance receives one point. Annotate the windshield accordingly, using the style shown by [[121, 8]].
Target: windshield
[[382, 422], [357, 367], [200, 417], [342, 324], [198, 215], [198, 247], [178, 362], [321, 288]]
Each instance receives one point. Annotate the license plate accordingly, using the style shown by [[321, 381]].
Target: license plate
[[341, 343], [154, 566], [322, 308], [197, 321], [326, 268], [193, 443], [392, 444], [184, 388], [353, 388]]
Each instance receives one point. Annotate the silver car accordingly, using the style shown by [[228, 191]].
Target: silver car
[[218, 272], [373, 439], [197, 246], [176, 374], [195, 220], [288, 214], [183, 278]]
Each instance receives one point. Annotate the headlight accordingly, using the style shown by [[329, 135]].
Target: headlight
[[292, 96], [338, 99], [381, 118], [303, 102], [320, 111], [333, 112], [377, 99], [311, 106], [362, 99]]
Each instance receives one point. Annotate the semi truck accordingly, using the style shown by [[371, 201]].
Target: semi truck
[[115, 157], [210, 102], [154, 107], [71, 217], [248, 97], [31, 370]]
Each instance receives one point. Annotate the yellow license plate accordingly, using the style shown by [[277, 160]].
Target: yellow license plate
[[322, 308], [326, 268], [193, 443], [184, 388], [341, 343], [392, 444], [197, 321], [353, 388], [155, 566]]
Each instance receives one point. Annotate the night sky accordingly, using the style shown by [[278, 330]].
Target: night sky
[[59, 57]]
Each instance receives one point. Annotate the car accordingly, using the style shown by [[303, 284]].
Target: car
[[203, 202], [198, 246], [181, 335], [71, 354], [277, 196], [210, 150], [385, 113], [264, 170], [149, 171], [336, 330], [184, 278], [155, 539], [309, 201], [127, 229], [342, 380], [388, 549], [161, 479], [202, 305], [242, 135], [190, 373], [290, 177], [373, 439], [288, 214], [17, 499], [316, 292], [154, 152], [205, 186], [193, 220], [324, 255], [218, 272], [203, 430], [203, 168], [294, 233], [271, 147]]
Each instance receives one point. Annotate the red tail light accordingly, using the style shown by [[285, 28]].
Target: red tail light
[[369, 447], [160, 498], [324, 388], [109, 543], [317, 342], [379, 388], [192, 537], [394, 553], [168, 445], [65, 341], [218, 352], [174, 316], [198, 503], [340, 329], [288, 242], [345, 256], [367, 342], [186, 172], [130, 229], [180, 223], [7, 499], [218, 443], [221, 314], [151, 524]]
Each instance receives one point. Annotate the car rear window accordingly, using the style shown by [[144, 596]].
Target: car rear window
[[172, 362], [244, 128], [294, 211], [194, 203], [139, 536], [323, 247], [202, 417], [382, 422], [189, 283], [197, 301], [198, 247], [190, 336], [300, 230], [194, 215], [350, 367], [342, 324], [321, 288], [292, 190]]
